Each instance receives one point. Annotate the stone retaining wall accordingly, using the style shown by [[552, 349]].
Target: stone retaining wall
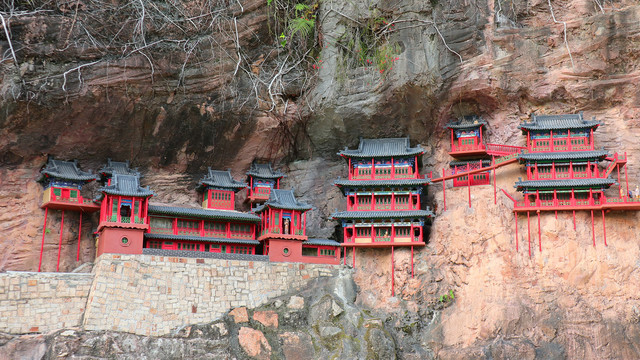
[[40, 302], [154, 295]]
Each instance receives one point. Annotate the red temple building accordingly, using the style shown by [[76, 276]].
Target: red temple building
[[216, 228], [62, 182], [262, 179], [283, 232], [469, 148], [565, 171], [115, 167], [383, 194], [123, 215]]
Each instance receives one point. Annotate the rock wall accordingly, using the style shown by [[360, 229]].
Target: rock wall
[[42, 302], [154, 295]]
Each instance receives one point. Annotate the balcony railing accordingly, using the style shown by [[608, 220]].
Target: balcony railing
[[462, 148], [577, 203], [501, 150]]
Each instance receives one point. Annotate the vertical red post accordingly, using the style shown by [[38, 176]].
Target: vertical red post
[[44, 230], [516, 216], [453, 148], [60, 241], [619, 183], [529, 232], [393, 292], [604, 229], [412, 262], [469, 188], [79, 237], [626, 179], [539, 232], [593, 230], [574, 220], [495, 196], [353, 262], [444, 194]]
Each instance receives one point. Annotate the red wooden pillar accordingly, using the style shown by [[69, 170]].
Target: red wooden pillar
[[516, 216], [480, 139], [373, 168], [529, 232], [569, 145], [416, 163], [626, 179], [593, 230], [80, 235], [350, 170], [591, 138], [469, 187], [495, 196], [118, 209], [551, 141], [604, 229], [539, 232], [619, 183], [393, 293], [393, 169], [44, 230], [453, 146], [574, 220], [353, 262], [412, 260], [444, 194], [60, 241]]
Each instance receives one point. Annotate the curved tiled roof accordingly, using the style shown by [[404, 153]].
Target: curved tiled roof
[[321, 242], [370, 148], [264, 171], [200, 213], [558, 122], [65, 170], [220, 179], [566, 155], [117, 167], [466, 122], [569, 183], [283, 199], [200, 239], [400, 214], [126, 185], [386, 183]]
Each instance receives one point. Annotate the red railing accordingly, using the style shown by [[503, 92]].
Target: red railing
[[501, 150], [260, 192], [460, 148], [576, 203]]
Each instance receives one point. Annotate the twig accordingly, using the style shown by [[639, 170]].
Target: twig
[[235, 23], [241, 7], [564, 24], [64, 75], [6, 33], [599, 5], [445, 42]]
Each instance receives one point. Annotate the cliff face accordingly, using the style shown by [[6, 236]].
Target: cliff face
[[177, 88]]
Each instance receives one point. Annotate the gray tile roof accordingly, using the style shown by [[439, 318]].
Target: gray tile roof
[[569, 183], [65, 170], [321, 242], [200, 239], [485, 163], [369, 148], [558, 122], [264, 171], [126, 185], [200, 213], [466, 122], [116, 167], [202, 254], [399, 214], [220, 179], [565, 155], [385, 183], [283, 199]]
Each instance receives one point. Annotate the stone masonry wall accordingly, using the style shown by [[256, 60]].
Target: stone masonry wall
[[155, 295], [40, 302]]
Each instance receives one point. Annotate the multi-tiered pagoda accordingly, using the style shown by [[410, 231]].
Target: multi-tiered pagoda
[[284, 232], [62, 182], [383, 194], [469, 149], [262, 179], [564, 170]]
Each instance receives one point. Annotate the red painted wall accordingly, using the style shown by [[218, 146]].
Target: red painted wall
[[277, 253], [110, 241]]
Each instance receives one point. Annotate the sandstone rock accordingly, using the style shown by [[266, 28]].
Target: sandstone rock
[[254, 343], [329, 332], [222, 329], [239, 315], [380, 345], [296, 346], [336, 309], [266, 318], [278, 303], [296, 303]]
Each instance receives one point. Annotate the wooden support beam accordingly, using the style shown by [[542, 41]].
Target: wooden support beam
[[412, 262], [604, 229], [44, 230], [539, 232], [469, 187], [444, 194], [353, 262], [593, 230], [516, 215], [79, 237], [60, 241], [495, 195], [574, 220], [393, 292], [529, 232]]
